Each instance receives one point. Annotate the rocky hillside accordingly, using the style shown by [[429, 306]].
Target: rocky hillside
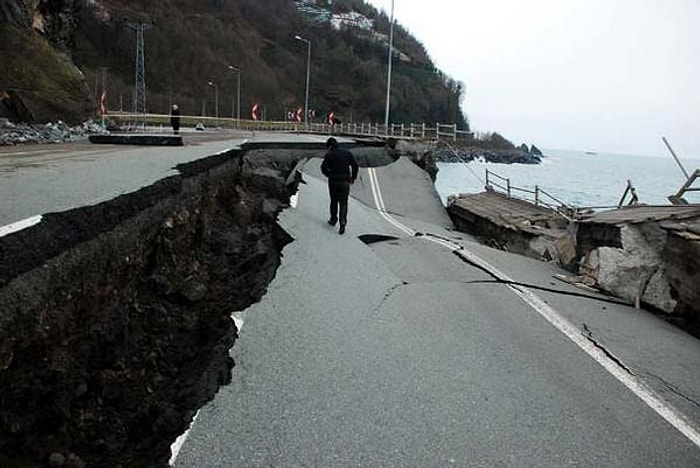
[[192, 42], [39, 82]]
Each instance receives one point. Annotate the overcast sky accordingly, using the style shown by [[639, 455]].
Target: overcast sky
[[595, 75]]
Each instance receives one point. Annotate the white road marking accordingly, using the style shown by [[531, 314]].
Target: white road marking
[[379, 202], [238, 319], [19, 225], [653, 400], [180, 442]]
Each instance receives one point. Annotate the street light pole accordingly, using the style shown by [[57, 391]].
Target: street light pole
[[238, 95], [216, 103], [388, 76], [308, 77]]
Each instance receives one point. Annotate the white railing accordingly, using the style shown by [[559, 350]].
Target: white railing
[[156, 122], [538, 196]]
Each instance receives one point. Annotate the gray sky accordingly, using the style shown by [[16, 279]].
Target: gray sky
[[598, 75]]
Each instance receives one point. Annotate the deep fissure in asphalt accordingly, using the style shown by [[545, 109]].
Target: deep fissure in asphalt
[[115, 320]]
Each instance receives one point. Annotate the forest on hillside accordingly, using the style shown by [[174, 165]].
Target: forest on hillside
[[190, 43]]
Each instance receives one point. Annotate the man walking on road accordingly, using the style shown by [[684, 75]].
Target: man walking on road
[[341, 169], [175, 119]]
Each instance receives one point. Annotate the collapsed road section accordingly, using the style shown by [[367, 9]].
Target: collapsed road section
[[115, 319]]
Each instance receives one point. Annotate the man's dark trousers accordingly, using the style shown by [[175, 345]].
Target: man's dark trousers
[[339, 191]]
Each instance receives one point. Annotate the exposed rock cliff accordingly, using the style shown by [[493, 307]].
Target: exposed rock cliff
[[39, 82]]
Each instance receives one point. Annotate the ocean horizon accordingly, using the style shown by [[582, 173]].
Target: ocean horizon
[[580, 178]]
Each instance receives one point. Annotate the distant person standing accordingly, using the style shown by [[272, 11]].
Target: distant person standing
[[340, 167], [175, 119]]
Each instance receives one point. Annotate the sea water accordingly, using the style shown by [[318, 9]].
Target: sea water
[[577, 178]]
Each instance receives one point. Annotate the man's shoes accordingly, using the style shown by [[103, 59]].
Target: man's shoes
[[342, 229], [332, 222]]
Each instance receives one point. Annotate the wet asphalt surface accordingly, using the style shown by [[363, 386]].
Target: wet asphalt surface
[[40, 179], [397, 353]]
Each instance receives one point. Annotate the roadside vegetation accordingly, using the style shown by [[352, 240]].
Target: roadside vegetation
[[193, 42]]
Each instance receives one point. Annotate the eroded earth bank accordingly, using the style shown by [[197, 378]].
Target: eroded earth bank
[[115, 319]]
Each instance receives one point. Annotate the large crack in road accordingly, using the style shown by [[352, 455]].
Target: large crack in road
[[115, 319]]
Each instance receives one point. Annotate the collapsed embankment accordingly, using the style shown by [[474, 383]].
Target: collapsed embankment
[[115, 319], [643, 255]]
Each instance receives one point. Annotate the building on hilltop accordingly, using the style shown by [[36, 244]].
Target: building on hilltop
[[314, 11], [352, 20], [318, 12]]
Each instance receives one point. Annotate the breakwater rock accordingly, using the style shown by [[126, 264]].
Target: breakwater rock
[[508, 156]]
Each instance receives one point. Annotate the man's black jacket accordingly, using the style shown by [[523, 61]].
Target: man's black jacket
[[339, 164]]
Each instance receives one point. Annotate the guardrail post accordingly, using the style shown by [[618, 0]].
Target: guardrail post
[[454, 134], [423, 134], [508, 185], [487, 178], [537, 195]]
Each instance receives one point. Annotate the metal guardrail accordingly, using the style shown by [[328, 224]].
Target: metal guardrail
[[418, 131], [630, 192], [677, 198], [539, 196]]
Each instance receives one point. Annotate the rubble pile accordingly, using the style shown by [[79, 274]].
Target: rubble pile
[[59, 132]]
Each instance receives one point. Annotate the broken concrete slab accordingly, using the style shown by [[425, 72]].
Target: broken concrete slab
[[653, 249], [634, 272], [515, 225], [136, 139]]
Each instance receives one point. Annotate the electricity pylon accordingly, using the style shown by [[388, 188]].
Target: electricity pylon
[[140, 69]]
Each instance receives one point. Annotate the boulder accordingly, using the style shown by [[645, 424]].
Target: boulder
[[634, 272]]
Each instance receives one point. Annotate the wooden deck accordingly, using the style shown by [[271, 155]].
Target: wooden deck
[[521, 215], [672, 214], [510, 213], [523, 227], [514, 225]]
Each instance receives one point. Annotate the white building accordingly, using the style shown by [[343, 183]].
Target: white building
[[352, 20]]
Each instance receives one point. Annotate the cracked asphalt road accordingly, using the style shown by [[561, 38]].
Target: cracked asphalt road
[[398, 353]]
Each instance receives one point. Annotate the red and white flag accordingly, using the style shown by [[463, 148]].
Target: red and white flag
[[256, 115], [103, 99], [300, 113]]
